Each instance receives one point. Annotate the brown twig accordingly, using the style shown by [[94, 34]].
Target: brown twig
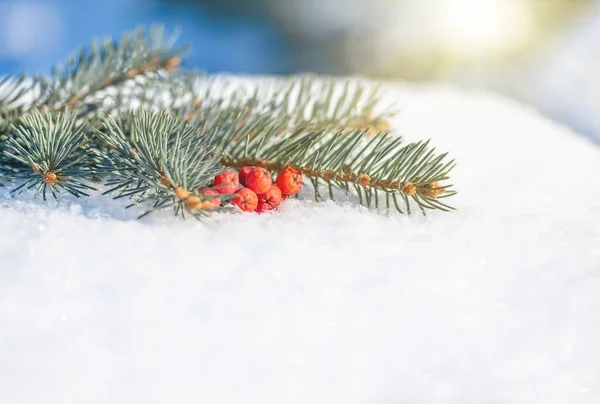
[[368, 124], [430, 189], [192, 202]]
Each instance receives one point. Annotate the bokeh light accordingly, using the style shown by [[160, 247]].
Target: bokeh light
[[478, 28]]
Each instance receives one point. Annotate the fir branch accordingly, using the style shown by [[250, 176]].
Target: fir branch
[[316, 102], [51, 152], [85, 81], [109, 64], [187, 95], [306, 101], [153, 157], [15, 93], [334, 132], [382, 169], [214, 103], [274, 137], [82, 82]]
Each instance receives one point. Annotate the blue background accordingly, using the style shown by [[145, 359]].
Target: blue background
[[241, 43]]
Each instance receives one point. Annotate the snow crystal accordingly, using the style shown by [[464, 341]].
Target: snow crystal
[[324, 302]]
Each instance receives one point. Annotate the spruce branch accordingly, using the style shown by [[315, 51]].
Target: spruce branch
[[191, 126], [84, 82], [381, 170], [12, 91], [317, 139], [106, 64], [316, 102], [51, 151], [188, 95], [306, 101], [15, 93], [155, 158]]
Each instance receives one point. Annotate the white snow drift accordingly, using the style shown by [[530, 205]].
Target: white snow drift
[[324, 303]]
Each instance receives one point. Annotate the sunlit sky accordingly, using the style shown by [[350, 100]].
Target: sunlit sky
[[480, 26]]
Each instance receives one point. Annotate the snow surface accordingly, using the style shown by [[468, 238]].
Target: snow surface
[[324, 303]]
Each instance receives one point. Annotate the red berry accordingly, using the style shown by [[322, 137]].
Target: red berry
[[246, 201], [226, 183], [272, 197], [289, 181], [258, 180], [263, 207], [208, 191], [243, 173]]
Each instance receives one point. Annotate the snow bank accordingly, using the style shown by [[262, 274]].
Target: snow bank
[[324, 303]]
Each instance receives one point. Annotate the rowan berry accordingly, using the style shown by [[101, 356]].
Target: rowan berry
[[263, 207], [272, 197], [258, 180], [289, 181], [243, 173], [227, 182], [246, 200]]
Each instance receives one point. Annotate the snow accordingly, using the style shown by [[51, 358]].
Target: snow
[[564, 82], [324, 303]]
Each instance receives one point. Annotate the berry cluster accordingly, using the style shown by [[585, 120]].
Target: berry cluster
[[258, 192]]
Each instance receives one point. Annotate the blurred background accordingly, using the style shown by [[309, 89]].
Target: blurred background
[[543, 52]]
